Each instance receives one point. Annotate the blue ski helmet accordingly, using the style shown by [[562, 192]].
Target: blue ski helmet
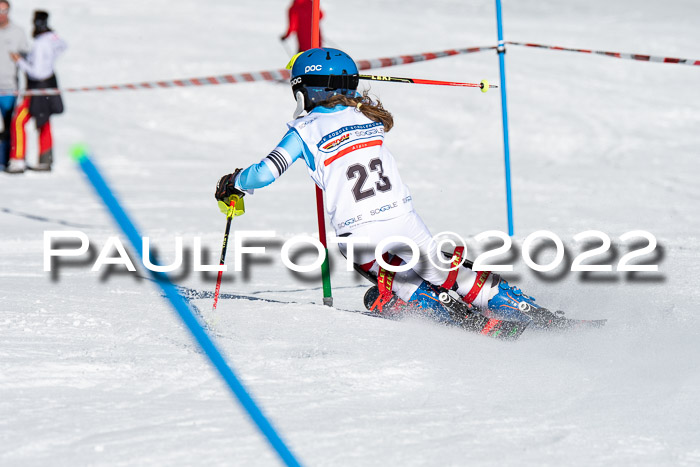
[[322, 73]]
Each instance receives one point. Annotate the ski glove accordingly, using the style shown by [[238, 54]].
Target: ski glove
[[229, 197], [225, 188]]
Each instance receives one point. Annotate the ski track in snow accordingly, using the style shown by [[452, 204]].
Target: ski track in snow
[[96, 370]]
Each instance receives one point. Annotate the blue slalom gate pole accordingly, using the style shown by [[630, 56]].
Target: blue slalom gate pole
[[504, 112], [80, 154]]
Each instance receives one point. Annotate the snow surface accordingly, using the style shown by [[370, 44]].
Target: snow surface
[[95, 369]]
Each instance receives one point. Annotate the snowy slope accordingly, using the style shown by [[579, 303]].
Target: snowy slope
[[96, 370]]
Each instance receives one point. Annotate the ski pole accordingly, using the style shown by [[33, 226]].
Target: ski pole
[[230, 213], [286, 48], [483, 85]]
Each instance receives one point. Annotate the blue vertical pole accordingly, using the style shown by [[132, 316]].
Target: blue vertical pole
[[205, 342], [504, 112]]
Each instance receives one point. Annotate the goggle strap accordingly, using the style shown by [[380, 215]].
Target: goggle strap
[[330, 82]]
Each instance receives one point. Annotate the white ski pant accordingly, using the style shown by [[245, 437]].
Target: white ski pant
[[410, 226]]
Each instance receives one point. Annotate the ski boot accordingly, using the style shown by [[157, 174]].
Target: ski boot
[[16, 166], [510, 303], [386, 306], [425, 300], [45, 160]]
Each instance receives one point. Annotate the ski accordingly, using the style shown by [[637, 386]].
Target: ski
[[496, 328], [461, 314], [469, 318]]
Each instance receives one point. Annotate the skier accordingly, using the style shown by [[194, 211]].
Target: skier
[[39, 67], [341, 141]]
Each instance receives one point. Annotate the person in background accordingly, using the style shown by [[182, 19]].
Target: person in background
[[300, 23], [39, 67], [13, 39]]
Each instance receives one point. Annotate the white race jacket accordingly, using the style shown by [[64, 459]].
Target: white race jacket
[[352, 166], [39, 63]]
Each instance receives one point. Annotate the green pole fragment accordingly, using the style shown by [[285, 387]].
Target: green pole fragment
[[326, 275], [325, 267]]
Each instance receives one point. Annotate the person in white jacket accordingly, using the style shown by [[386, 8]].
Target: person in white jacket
[[39, 68], [13, 39]]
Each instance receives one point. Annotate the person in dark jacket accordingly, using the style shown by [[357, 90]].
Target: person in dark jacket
[[39, 68]]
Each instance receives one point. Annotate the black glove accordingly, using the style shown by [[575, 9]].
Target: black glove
[[225, 188]]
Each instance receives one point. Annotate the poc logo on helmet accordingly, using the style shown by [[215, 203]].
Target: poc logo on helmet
[[313, 68], [296, 81]]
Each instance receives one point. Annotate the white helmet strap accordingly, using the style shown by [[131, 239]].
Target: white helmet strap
[[300, 104]]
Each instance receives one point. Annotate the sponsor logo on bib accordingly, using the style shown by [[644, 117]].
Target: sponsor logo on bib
[[336, 142]]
